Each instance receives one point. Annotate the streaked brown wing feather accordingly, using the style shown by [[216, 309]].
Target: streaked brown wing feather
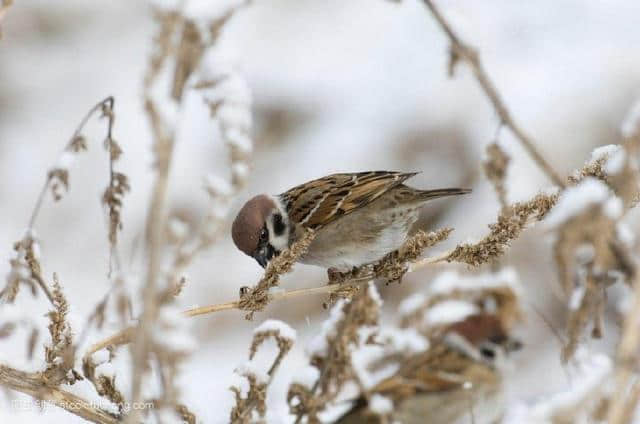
[[318, 202]]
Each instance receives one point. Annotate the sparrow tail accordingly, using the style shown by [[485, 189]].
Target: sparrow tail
[[442, 192]]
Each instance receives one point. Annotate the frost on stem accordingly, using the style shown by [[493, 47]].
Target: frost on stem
[[585, 401], [99, 370], [253, 399], [255, 299], [589, 253], [200, 66], [617, 167], [228, 97], [331, 353]]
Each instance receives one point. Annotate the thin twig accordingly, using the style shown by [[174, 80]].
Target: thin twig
[[40, 200], [462, 51], [76, 133]]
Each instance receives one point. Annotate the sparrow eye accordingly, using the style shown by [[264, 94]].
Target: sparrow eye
[[263, 234]]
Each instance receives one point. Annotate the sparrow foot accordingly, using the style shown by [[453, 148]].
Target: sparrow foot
[[339, 277], [334, 276]]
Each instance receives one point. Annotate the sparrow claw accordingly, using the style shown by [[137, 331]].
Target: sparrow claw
[[334, 275]]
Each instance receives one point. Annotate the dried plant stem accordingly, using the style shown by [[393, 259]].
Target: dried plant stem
[[125, 336], [43, 286], [33, 385], [122, 337], [623, 403], [98, 107], [462, 51], [155, 240], [107, 102], [283, 295]]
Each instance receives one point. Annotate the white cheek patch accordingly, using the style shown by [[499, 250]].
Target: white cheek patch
[[279, 242]]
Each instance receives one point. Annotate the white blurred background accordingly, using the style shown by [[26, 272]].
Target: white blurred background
[[337, 86]]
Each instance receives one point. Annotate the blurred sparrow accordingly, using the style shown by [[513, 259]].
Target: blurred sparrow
[[456, 380], [358, 218]]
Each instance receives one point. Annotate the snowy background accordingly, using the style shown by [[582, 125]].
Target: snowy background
[[337, 86]]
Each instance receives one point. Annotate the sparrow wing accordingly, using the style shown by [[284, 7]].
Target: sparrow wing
[[318, 202]]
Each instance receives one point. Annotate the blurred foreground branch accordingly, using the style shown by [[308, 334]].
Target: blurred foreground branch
[[33, 385]]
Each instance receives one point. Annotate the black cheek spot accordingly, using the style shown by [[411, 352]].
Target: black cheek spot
[[278, 225], [488, 353]]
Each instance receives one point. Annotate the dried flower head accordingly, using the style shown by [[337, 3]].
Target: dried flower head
[[253, 399], [394, 265], [331, 353], [60, 355], [589, 254], [495, 168], [511, 221], [256, 298]]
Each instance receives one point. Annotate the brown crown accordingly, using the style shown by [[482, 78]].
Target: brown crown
[[246, 228]]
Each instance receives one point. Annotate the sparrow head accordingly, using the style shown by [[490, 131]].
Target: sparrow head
[[261, 229], [484, 337]]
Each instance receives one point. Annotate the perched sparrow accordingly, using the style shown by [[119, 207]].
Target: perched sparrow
[[358, 217]]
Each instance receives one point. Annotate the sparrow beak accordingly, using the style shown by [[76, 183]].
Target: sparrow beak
[[262, 260], [264, 254]]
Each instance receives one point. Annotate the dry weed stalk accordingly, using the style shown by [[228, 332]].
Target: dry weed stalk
[[26, 268], [512, 220], [627, 389], [255, 397], [182, 44], [495, 168], [331, 354], [118, 184], [59, 355], [256, 298], [459, 50], [61, 352], [99, 372], [626, 395], [32, 384], [590, 247]]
